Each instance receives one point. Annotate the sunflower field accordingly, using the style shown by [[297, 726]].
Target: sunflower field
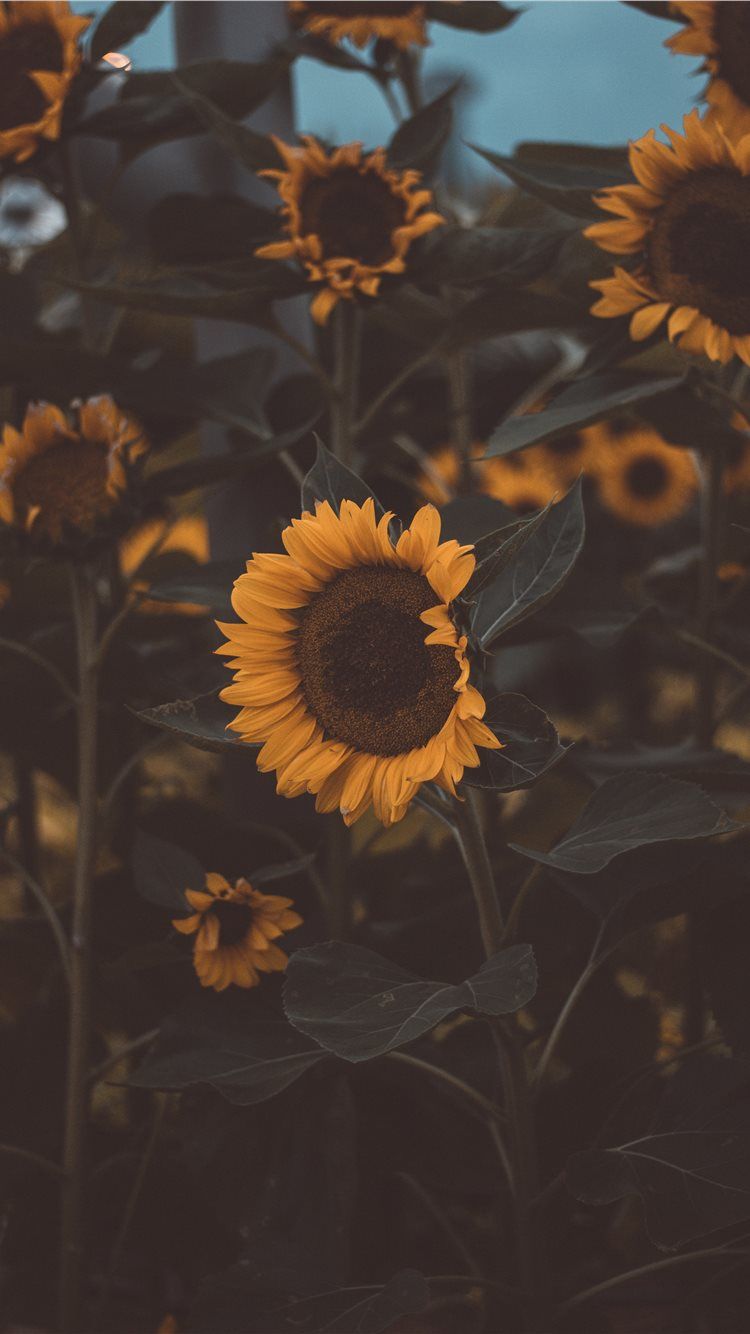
[[375, 721]]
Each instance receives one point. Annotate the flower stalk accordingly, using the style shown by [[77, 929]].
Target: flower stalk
[[458, 383], [711, 531], [346, 349]]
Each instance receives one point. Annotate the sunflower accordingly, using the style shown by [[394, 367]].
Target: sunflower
[[63, 474], [401, 24], [523, 481], [349, 665], [348, 218], [688, 220], [564, 457], [642, 479], [234, 931], [720, 33], [39, 57]]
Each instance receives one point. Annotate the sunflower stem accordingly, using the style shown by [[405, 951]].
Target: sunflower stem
[[346, 343], [470, 837], [458, 385], [711, 531], [77, 1098]]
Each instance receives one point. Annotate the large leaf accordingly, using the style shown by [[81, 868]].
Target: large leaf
[[330, 480], [244, 295], [583, 402], [359, 1005], [631, 811], [202, 721], [244, 1303], [253, 150], [693, 1171], [465, 256], [473, 15], [718, 769], [418, 140], [531, 746], [538, 571], [206, 585], [495, 551], [567, 185], [120, 23], [186, 228], [162, 872], [211, 469]]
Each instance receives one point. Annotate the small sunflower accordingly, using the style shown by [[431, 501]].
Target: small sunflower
[[349, 219], [523, 481], [349, 665], [39, 58], [720, 32], [401, 24], [63, 474], [643, 480], [688, 220], [234, 931]]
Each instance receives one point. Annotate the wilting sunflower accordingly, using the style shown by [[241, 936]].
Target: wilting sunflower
[[349, 665], [62, 475], [234, 929], [39, 57], [401, 24], [642, 479], [349, 219], [688, 220], [721, 33]]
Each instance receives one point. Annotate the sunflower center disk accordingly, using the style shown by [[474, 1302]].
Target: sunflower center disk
[[69, 484], [34, 46], [354, 214], [369, 678], [732, 35], [699, 249], [235, 920], [647, 478]]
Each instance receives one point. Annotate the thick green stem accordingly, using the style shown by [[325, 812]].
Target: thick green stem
[[470, 837], [77, 1099], [711, 525], [346, 343], [458, 383]]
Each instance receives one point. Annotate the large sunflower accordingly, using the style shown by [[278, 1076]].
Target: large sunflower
[[688, 221], [641, 479], [63, 474], [234, 929], [402, 24], [349, 665], [348, 218], [39, 57], [721, 33]]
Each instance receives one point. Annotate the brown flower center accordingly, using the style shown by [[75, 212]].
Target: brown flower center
[[732, 37], [354, 213], [235, 919], [68, 482], [348, 11], [699, 247], [646, 477], [368, 675], [33, 46]]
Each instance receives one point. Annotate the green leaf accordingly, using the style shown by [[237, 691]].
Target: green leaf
[[267, 875], [502, 308], [330, 480], [208, 585], [418, 141], [583, 402], [186, 229], [254, 151], [718, 769], [531, 746], [359, 1005], [538, 571], [567, 186], [120, 23], [630, 811], [214, 468], [245, 296], [495, 552], [473, 15], [464, 256], [162, 872], [202, 721]]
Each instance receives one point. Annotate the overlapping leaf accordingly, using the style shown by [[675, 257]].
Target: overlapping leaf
[[531, 746]]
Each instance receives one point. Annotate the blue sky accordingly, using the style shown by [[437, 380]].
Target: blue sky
[[591, 70]]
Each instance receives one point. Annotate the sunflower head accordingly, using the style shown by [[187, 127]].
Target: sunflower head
[[401, 24], [235, 927], [349, 664], [64, 475], [39, 57], [641, 479], [349, 220], [719, 32], [687, 221]]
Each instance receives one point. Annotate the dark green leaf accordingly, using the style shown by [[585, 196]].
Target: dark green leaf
[[658, 9], [187, 229], [539, 570], [119, 24], [328, 53], [359, 1005], [207, 585], [185, 293], [467, 255], [201, 721], [232, 389], [473, 15], [531, 746], [405, 1294], [418, 141], [254, 151], [162, 872], [330, 480], [710, 768], [475, 519], [567, 186], [496, 551], [722, 937], [583, 402], [501, 308], [630, 811], [215, 468], [266, 875]]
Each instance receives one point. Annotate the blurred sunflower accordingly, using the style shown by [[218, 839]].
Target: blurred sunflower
[[402, 24], [349, 219], [642, 479], [234, 929], [163, 536], [737, 459], [565, 456], [720, 33], [349, 665], [523, 481], [688, 220], [62, 475], [39, 58]]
